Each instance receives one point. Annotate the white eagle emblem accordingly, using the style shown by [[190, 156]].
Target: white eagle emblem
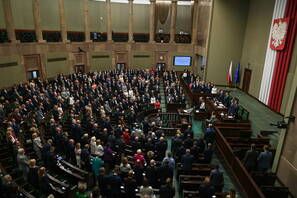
[[278, 33]]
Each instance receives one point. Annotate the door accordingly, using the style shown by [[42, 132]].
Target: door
[[161, 67], [246, 80], [32, 75], [80, 62], [121, 66], [33, 67], [79, 68]]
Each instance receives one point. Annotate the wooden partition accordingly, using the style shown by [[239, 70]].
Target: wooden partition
[[243, 177]]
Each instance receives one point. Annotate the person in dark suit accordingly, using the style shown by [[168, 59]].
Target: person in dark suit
[[103, 182], [189, 131], [33, 173], [70, 155], [210, 133], [115, 183], [152, 174], [165, 171], [250, 158], [167, 190], [44, 184], [130, 185], [85, 158], [233, 108], [187, 161], [9, 189], [206, 190], [265, 159], [217, 179], [208, 153]]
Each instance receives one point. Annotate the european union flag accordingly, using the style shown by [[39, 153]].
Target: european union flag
[[237, 76]]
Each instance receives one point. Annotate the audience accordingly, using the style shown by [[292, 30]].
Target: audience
[[92, 121]]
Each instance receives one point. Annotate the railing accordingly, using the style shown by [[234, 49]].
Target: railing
[[120, 37], [162, 38], [3, 36], [141, 37], [98, 36], [25, 36], [183, 38], [52, 36], [76, 36]]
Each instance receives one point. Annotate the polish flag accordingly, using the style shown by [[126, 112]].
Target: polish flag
[[229, 78]]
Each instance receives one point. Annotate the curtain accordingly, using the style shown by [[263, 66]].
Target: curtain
[[283, 59]]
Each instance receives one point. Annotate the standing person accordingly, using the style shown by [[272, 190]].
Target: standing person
[[23, 162], [167, 190], [9, 188], [265, 159], [33, 173], [170, 159], [85, 157], [217, 179], [115, 183], [130, 185], [81, 193], [97, 164], [37, 144], [250, 158], [146, 189], [206, 190], [139, 156], [77, 151], [187, 161], [44, 184]]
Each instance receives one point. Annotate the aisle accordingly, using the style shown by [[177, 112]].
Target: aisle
[[163, 98]]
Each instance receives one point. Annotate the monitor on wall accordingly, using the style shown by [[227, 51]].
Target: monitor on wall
[[182, 61]]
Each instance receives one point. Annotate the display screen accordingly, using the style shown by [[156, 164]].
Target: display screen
[[182, 60]]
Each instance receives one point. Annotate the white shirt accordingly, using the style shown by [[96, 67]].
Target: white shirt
[[214, 90]]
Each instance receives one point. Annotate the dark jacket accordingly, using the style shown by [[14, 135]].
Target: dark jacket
[[187, 161]]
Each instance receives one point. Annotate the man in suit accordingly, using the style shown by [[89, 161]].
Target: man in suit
[[165, 172], [115, 183], [187, 161], [152, 174], [85, 157], [167, 190], [265, 159], [208, 153], [217, 179], [250, 158]]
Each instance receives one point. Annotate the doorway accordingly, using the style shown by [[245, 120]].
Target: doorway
[[121, 66], [79, 68], [246, 80], [161, 67], [33, 67], [32, 75]]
